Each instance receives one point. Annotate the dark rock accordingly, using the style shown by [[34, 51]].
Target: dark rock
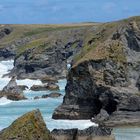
[[67, 134], [36, 97], [45, 96], [101, 117], [23, 87], [109, 82], [12, 91], [5, 31], [30, 126], [52, 95], [100, 133]]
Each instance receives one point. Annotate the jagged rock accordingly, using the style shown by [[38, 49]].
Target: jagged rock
[[12, 91], [49, 86], [101, 117], [39, 87], [91, 133], [106, 78], [67, 134], [30, 126]]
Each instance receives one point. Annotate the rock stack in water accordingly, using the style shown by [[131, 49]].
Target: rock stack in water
[[12, 91]]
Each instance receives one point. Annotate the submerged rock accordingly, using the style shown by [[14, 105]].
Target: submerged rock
[[12, 91], [30, 126]]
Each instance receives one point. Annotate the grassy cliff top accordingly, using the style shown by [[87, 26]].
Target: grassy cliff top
[[94, 36]]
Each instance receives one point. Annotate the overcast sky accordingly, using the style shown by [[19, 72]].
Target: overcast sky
[[66, 11]]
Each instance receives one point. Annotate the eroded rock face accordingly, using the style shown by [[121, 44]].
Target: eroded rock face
[[30, 126], [91, 133], [12, 91], [52, 60], [109, 83]]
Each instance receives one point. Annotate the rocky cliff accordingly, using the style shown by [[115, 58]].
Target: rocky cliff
[[106, 76]]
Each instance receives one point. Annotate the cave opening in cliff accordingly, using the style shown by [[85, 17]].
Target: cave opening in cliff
[[111, 106], [29, 69]]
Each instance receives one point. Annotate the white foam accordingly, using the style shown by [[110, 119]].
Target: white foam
[[29, 82], [68, 124], [5, 66], [4, 101]]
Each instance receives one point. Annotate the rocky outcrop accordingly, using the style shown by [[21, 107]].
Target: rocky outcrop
[[106, 84], [94, 133], [50, 58], [5, 31], [30, 126], [52, 95], [39, 87], [12, 91], [49, 86]]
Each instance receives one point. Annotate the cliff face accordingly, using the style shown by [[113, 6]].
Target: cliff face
[[107, 77], [42, 50]]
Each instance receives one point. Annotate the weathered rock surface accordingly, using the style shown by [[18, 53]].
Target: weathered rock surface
[[52, 95], [39, 87], [30, 126], [12, 91], [91, 133], [106, 79], [48, 86]]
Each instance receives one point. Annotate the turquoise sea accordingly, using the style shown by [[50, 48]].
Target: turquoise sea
[[11, 110]]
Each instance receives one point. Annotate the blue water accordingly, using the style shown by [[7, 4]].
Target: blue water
[[11, 110]]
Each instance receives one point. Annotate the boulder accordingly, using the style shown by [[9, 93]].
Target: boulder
[[12, 91], [30, 126]]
